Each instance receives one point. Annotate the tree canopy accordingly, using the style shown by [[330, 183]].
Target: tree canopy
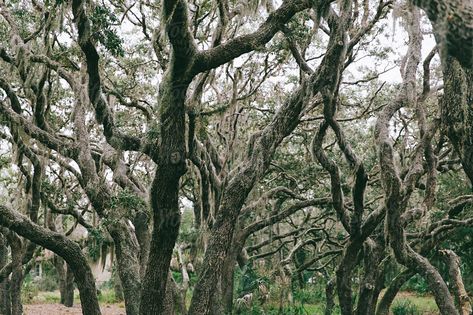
[[224, 151]]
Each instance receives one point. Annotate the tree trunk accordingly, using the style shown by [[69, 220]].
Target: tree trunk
[[228, 279], [456, 111], [329, 297], [128, 264], [377, 291], [64, 247], [69, 287], [454, 271], [391, 292], [5, 305], [58, 263], [164, 194], [372, 255], [344, 275], [17, 273]]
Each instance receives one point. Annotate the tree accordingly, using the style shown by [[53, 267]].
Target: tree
[[258, 126]]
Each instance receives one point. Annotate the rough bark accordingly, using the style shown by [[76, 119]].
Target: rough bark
[[5, 305], [372, 256], [261, 150], [451, 20], [59, 244], [329, 297], [456, 110], [171, 165], [58, 263], [69, 287], [463, 300], [344, 272], [391, 292], [396, 195], [16, 280]]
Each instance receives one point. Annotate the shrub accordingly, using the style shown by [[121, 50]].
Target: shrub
[[405, 307]]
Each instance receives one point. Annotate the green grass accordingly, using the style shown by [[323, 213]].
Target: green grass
[[425, 304]]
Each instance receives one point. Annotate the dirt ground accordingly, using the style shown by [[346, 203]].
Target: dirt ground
[[58, 309]]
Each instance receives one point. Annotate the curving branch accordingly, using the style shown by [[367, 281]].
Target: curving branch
[[62, 246]]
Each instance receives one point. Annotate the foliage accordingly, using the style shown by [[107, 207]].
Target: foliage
[[417, 284], [404, 307], [102, 19], [95, 241]]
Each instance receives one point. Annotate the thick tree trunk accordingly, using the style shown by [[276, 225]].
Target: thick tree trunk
[[344, 275], [5, 301], [228, 279], [66, 281], [128, 264], [165, 193], [372, 255], [456, 111], [377, 291]]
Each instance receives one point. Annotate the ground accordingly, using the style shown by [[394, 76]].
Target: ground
[[58, 309], [46, 303]]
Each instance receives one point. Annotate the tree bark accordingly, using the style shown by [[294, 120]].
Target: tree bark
[[16, 280], [372, 255], [396, 195], [329, 297], [5, 305], [451, 20], [59, 244], [463, 300], [456, 110], [391, 292], [69, 287], [164, 193]]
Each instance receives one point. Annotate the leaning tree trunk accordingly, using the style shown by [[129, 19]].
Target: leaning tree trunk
[[391, 292], [463, 300], [61, 245]]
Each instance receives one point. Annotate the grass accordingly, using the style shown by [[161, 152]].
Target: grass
[[105, 297], [424, 303]]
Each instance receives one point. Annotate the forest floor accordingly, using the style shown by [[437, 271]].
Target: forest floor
[[46, 303], [58, 309]]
